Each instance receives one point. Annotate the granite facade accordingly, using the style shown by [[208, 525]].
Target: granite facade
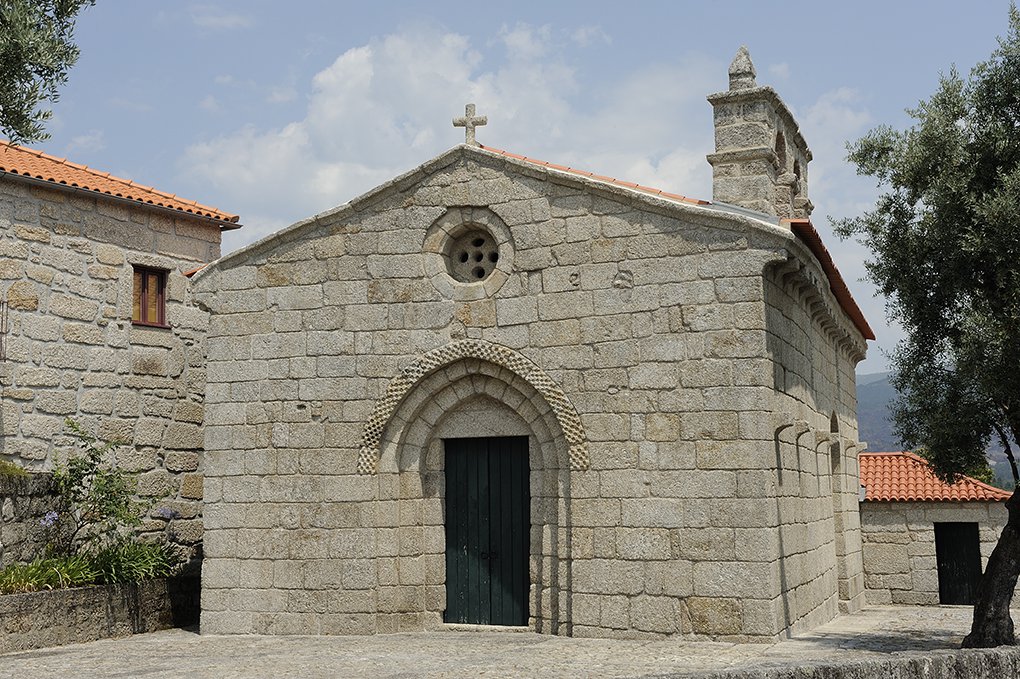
[[71, 350], [657, 354]]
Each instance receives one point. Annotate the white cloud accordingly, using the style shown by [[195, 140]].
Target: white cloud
[[384, 107], [281, 95], [215, 18], [524, 41], [780, 70], [210, 104], [93, 140], [590, 35], [835, 118], [841, 109]]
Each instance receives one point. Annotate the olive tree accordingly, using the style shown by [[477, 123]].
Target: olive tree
[[945, 237], [36, 51]]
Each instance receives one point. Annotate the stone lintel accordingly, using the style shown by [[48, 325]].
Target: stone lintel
[[743, 155]]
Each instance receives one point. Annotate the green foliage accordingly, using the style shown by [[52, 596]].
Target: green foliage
[[98, 505], [48, 573], [135, 561], [985, 474], [92, 531], [36, 51], [11, 469], [120, 563], [945, 234]]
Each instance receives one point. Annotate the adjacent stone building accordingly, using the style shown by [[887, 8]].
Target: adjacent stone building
[[96, 324], [497, 390], [925, 542]]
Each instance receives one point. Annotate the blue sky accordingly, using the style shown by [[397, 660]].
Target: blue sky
[[276, 111]]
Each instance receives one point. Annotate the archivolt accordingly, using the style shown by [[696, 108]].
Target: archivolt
[[504, 357]]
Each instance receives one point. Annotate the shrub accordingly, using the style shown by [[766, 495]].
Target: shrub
[[123, 562], [92, 538], [98, 504], [134, 561], [48, 573]]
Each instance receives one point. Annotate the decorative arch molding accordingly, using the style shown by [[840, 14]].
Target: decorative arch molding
[[516, 363]]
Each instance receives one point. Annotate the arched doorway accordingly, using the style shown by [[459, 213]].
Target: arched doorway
[[471, 398]]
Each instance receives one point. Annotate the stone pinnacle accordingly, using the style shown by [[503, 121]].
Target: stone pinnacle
[[742, 71]]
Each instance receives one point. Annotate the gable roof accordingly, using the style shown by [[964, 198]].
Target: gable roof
[[803, 229], [597, 177], [808, 234], [23, 162], [904, 476]]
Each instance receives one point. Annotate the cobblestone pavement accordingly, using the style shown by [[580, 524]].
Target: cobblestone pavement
[[180, 653]]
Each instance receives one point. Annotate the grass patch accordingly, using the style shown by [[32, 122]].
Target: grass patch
[[11, 469], [120, 563]]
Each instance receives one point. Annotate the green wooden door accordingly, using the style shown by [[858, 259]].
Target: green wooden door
[[487, 530]]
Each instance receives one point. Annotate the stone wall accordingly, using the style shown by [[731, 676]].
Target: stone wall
[[899, 546], [761, 159], [627, 336], [813, 370], [71, 350], [75, 616], [24, 501]]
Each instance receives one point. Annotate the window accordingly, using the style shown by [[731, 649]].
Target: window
[[149, 302], [472, 255]]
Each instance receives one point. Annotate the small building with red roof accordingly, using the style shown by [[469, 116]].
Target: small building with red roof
[[925, 541], [97, 324]]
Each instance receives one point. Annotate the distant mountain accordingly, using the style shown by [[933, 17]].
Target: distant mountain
[[874, 396]]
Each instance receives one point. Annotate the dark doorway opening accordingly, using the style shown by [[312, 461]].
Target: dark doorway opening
[[488, 530], [958, 557]]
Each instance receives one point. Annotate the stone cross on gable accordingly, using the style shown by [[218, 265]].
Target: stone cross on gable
[[469, 121]]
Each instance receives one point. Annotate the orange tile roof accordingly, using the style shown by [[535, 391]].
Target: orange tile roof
[[25, 162], [899, 477], [598, 177]]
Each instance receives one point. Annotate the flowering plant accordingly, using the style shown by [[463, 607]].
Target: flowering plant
[[98, 507]]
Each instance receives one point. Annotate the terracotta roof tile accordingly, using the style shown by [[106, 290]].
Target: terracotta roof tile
[[899, 477], [25, 162]]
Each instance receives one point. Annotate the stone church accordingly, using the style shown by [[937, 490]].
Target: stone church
[[498, 391]]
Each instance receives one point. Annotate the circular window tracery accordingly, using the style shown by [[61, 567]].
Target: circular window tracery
[[469, 253], [472, 256]]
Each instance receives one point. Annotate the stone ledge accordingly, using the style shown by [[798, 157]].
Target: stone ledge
[[36, 483], [994, 663], [73, 616]]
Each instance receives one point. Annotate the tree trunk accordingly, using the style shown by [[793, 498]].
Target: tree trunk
[[1009, 454], [992, 625]]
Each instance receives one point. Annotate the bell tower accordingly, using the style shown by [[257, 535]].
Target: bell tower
[[760, 160]]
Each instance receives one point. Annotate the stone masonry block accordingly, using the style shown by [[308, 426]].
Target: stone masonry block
[[715, 616], [726, 578]]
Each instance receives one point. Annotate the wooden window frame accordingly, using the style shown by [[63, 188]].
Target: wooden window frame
[[143, 295]]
